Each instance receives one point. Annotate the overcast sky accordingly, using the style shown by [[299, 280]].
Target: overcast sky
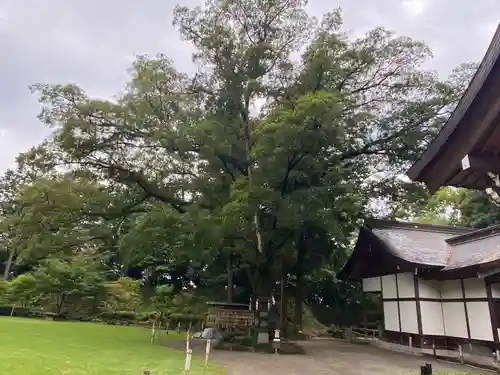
[[93, 42]]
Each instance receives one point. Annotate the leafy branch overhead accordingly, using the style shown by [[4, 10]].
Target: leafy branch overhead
[[263, 159]]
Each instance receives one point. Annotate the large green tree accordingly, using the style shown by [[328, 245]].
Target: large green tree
[[287, 132]]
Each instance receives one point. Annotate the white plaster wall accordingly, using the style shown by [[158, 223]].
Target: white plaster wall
[[391, 319], [479, 321], [432, 318], [406, 285], [372, 284], [389, 286], [495, 290], [454, 319], [451, 289], [429, 289], [409, 322], [474, 288]]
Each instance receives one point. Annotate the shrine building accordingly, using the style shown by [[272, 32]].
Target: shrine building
[[440, 286]]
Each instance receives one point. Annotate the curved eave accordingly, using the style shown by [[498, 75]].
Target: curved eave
[[468, 124], [372, 257], [479, 270]]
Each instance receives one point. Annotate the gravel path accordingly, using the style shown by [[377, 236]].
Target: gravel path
[[325, 357]]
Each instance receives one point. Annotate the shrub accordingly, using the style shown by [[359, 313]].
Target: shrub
[[118, 317], [22, 312]]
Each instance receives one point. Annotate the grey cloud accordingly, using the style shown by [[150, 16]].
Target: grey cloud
[[93, 42]]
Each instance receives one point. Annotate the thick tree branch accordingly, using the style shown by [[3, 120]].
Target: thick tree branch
[[151, 189], [131, 208]]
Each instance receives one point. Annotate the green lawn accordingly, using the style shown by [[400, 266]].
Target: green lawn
[[36, 347]]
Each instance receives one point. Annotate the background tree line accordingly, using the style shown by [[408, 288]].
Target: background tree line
[[248, 176]]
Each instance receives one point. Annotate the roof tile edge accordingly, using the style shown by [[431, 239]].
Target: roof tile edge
[[394, 224]]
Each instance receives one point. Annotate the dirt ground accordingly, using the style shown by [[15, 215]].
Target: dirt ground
[[328, 357]]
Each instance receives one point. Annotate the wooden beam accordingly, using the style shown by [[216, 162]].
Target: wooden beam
[[475, 89], [419, 309], [467, 321], [481, 163], [484, 275], [493, 313], [399, 306]]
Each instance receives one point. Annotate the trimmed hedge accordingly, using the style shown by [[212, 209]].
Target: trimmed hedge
[[22, 312]]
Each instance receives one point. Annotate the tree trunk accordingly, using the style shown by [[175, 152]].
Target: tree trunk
[[229, 280], [299, 300], [299, 287], [60, 305], [248, 150], [283, 312], [8, 265], [265, 280]]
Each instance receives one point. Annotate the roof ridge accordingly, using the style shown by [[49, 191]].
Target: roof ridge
[[408, 225], [474, 235]]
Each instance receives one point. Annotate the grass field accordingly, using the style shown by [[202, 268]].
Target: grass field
[[37, 347]]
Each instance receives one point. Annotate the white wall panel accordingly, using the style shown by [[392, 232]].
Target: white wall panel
[[474, 288], [391, 318], [409, 322], [454, 319], [373, 284], [389, 286], [406, 285], [451, 289], [480, 321], [429, 289], [432, 318], [495, 290]]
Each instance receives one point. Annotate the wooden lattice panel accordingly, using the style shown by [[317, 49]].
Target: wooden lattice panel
[[230, 319]]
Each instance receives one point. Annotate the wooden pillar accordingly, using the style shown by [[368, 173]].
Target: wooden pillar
[[493, 312], [462, 284], [399, 307], [419, 310], [382, 333]]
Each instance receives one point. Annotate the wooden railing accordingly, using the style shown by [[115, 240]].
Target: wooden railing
[[364, 332]]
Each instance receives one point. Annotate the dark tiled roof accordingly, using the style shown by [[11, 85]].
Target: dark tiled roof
[[481, 251], [447, 248], [416, 245], [475, 248]]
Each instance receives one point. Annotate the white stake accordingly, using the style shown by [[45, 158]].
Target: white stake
[[187, 367], [153, 332], [276, 341], [207, 352]]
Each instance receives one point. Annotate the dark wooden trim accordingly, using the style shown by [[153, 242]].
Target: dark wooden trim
[[399, 306], [426, 299], [475, 235], [390, 224], [462, 285], [493, 313], [419, 310], [372, 257], [382, 296], [482, 163], [442, 342]]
